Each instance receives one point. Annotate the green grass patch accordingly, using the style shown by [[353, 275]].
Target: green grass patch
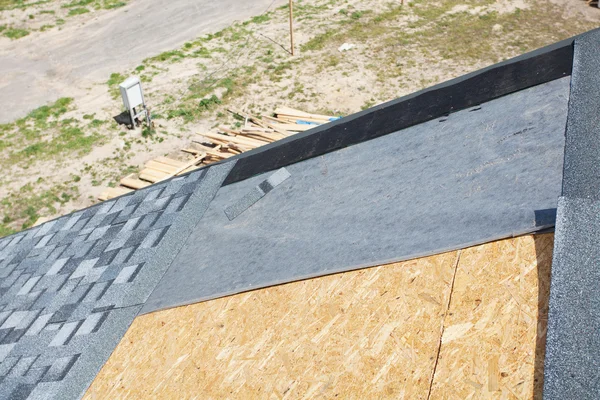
[[20, 209], [320, 41], [40, 115], [96, 123], [78, 3], [259, 19], [114, 80], [209, 103], [356, 15], [15, 33], [171, 56], [71, 139], [77, 11], [112, 4], [20, 4]]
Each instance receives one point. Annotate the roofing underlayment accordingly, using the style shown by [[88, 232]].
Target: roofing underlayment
[[471, 161]]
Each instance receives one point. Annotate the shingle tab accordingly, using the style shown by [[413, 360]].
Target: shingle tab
[[70, 288]]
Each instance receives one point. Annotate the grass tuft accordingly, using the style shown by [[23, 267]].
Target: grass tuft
[[14, 33]]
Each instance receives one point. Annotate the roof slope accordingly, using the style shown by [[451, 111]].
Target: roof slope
[[478, 175], [373, 333], [71, 287], [573, 344]]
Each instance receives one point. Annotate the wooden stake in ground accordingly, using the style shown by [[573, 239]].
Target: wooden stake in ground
[[292, 25]]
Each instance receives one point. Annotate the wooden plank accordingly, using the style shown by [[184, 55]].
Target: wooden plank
[[169, 161], [295, 127], [190, 169], [231, 132], [268, 133], [213, 151], [301, 114], [187, 165], [161, 166], [147, 176], [257, 129], [288, 119], [153, 172], [40, 221], [111, 193], [258, 121], [235, 150], [278, 119], [133, 182], [244, 141], [364, 334], [263, 137]]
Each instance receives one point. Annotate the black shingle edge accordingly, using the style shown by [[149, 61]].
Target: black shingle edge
[[531, 69]]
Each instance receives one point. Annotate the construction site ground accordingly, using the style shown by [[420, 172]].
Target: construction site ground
[[62, 155]]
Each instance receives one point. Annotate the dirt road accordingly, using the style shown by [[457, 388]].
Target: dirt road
[[45, 66]]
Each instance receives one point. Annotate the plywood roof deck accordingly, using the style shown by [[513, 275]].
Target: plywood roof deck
[[464, 324]]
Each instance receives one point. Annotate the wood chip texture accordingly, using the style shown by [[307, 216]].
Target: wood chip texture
[[373, 333]]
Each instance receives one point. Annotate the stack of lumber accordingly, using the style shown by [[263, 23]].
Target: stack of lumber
[[213, 147], [296, 120]]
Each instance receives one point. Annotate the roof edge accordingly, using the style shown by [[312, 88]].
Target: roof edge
[[537, 67]]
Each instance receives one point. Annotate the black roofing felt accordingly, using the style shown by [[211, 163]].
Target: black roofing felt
[[540, 66], [389, 181], [446, 184], [572, 364]]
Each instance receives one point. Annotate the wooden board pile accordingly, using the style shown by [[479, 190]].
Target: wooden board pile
[[213, 147]]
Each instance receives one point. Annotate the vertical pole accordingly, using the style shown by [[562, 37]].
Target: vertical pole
[[292, 25]]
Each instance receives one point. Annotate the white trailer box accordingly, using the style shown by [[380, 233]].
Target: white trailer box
[[133, 98]]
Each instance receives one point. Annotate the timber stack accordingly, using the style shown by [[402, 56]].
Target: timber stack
[[224, 143]]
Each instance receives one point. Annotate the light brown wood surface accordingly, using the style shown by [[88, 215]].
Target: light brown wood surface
[[495, 331], [373, 333]]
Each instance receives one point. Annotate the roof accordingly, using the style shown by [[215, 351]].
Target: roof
[[476, 159], [573, 343]]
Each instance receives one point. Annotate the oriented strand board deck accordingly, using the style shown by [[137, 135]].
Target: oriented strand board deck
[[368, 332], [373, 333], [495, 331]]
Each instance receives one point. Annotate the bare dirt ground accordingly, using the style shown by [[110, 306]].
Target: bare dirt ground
[[60, 157], [68, 59]]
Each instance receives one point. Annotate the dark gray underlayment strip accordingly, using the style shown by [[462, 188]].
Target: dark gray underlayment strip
[[572, 364], [475, 176], [257, 193], [70, 288]]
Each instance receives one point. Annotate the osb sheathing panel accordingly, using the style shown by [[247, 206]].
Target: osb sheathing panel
[[495, 331], [364, 334], [373, 333]]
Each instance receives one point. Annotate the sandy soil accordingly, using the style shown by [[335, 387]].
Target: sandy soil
[[48, 65]]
